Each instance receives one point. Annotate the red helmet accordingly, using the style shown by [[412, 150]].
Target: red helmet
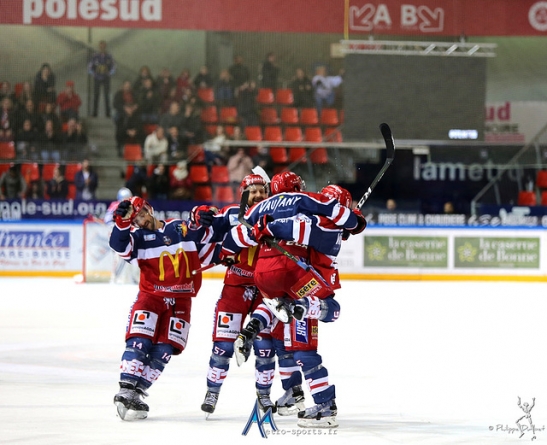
[[252, 179], [338, 193], [139, 203], [287, 182]]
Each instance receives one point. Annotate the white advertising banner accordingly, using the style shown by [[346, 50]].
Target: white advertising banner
[[514, 121]]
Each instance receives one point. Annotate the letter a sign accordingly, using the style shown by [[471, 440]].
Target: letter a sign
[[260, 421]]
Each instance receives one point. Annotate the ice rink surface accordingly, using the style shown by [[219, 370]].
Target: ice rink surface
[[413, 363]]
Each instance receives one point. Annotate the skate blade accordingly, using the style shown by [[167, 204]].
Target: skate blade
[[280, 313], [290, 410], [324, 422], [129, 414]]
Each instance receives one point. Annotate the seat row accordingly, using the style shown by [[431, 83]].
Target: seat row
[[265, 96], [329, 117]]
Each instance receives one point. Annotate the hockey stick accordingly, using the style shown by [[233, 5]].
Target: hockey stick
[[272, 242], [201, 269], [390, 155]]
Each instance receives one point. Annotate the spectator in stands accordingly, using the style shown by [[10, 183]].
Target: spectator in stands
[[129, 130], [302, 90], [29, 112], [144, 74], [448, 208], [239, 165], [216, 153], [102, 67], [180, 182], [155, 146], [124, 98], [192, 128], [26, 140], [12, 183], [203, 79], [69, 102], [44, 85], [176, 146], [57, 186], [50, 143], [74, 140], [239, 73], [184, 85], [165, 83], [270, 72], [149, 102], [173, 118], [5, 91], [224, 91], [25, 95], [263, 159], [324, 87], [247, 106], [391, 205], [35, 190], [138, 179], [86, 181], [7, 120], [168, 100], [158, 183], [49, 114]]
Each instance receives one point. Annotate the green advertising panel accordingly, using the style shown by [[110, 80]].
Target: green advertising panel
[[406, 251], [496, 252]]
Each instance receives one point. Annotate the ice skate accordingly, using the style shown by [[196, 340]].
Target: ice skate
[[209, 403], [129, 404], [292, 402], [264, 401], [281, 308], [322, 415]]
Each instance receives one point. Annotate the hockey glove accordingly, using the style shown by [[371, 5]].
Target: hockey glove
[[260, 229], [361, 222], [202, 216], [124, 214], [228, 260]]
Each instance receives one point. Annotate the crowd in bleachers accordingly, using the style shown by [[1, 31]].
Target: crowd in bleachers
[[165, 119], [167, 126]]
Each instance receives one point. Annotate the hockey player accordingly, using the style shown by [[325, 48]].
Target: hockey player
[[278, 276], [239, 297], [166, 253], [122, 271]]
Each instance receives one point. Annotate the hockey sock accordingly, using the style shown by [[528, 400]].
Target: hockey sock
[[159, 356], [316, 376], [219, 363], [135, 359], [289, 370], [264, 362]]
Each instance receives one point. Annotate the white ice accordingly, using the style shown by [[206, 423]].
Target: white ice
[[413, 363]]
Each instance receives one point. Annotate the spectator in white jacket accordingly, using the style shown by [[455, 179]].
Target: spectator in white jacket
[[155, 147]]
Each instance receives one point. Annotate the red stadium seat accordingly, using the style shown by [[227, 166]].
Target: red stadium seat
[[7, 150], [313, 134], [70, 171], [220, 174], [319, 156], [223, 194], [30, 171], [279, 155], [149, 128], [297, 154], [71, 191], [47, 171], [196, 154], [526, 198], [228, 115], [289, 116], [269, 116], [284, 97], [329, 117], [132, 152], [333, 135], [273, 133], [207, 95], [253, 133], [4, 168], [203, 193], [199, 174], [209, 115], [265, 96], [293, 134], [308, 116], [541, 179], [544, 198]]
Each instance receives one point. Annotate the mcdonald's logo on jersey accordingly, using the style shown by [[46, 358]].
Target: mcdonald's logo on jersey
[[175, 261]]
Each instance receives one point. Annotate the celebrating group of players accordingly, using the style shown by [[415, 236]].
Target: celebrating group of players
[[279, 247]]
